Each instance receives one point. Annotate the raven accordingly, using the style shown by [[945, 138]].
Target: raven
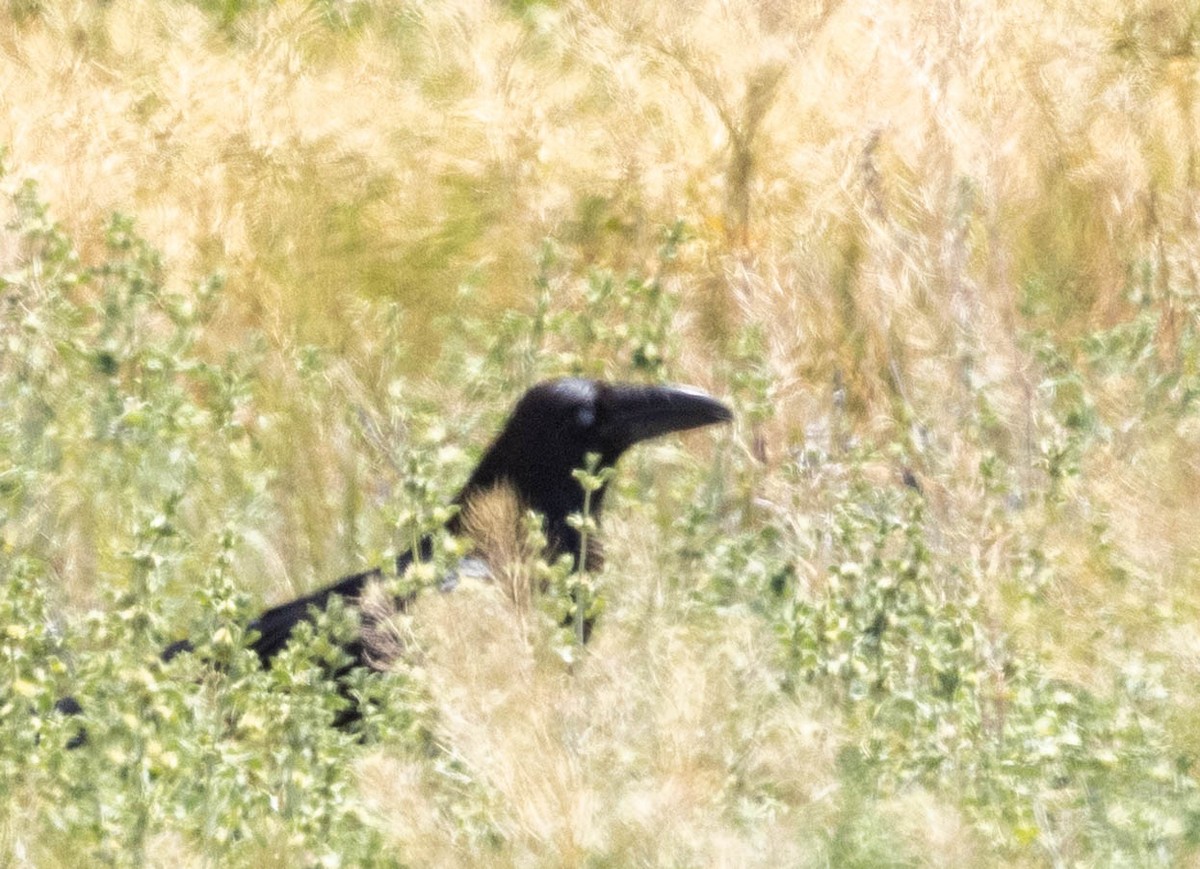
[[550, 434]]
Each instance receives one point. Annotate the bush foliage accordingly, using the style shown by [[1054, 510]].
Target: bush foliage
[[929, 601]]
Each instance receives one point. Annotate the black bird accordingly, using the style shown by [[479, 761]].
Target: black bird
[[553, 428], [549, 435]]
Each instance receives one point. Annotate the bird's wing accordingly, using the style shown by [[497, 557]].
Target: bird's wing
[[274, 627]]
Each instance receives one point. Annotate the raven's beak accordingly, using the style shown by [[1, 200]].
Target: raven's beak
[[637, 413]]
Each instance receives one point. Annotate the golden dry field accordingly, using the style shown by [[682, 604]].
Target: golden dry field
[[273, 273]]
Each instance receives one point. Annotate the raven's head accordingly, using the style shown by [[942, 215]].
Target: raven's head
[[556, 424]]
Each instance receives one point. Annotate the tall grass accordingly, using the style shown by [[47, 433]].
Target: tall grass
[[272, 273]]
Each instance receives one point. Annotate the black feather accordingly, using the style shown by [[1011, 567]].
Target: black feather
[[551, 432]]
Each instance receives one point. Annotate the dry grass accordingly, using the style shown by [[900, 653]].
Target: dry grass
[[659, 749], [890, 196]]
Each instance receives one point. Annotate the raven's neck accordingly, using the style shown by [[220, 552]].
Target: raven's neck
[[556, 504]]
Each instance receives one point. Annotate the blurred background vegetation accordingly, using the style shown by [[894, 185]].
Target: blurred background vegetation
[[272, 273]]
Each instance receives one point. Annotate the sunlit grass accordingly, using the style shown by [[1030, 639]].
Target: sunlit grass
[[941, 258]]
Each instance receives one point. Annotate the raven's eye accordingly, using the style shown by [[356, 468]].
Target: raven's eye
[[585, 416]]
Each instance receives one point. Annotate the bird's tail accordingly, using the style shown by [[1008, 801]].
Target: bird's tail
[[70, 706]]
